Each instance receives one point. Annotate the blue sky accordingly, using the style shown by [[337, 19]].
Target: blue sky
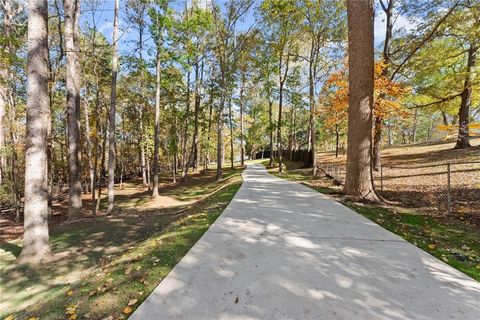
[[104, 20]]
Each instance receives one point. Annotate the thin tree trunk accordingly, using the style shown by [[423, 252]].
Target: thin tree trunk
[[142, 150], [337, 138], [185, 164], [414, 129], [175, 134], [192, 159], [242, 147], [282, 79], [156, 137], [220, 126], [311, 99], [102, 168], [464, 111], [149, 180], [89, 148], [72, 16], [279, 129], [230, 116], [270, 120], [141, 25], [15, 169], [36, 248], [113, 104], [359, 183], [4, 75], [210, 111]]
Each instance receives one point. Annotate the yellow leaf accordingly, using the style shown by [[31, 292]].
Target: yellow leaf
[[73, 317], [132, 302], [33, 318], [10, 317], [71, 309], [70, 293], [127, 310], [432, 246]]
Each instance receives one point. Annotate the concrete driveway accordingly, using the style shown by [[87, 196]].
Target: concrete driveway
[[283, 251]]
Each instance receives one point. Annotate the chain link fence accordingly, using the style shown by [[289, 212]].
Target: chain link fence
[[449, 187]]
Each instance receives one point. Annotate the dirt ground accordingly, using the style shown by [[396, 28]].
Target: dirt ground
[[416, 176]]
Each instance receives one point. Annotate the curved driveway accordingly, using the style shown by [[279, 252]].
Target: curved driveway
[[283, 251]]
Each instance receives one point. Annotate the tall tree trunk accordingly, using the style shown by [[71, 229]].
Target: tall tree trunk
[[279, 129], [220, 138], [89, 148], [4, 91], [242, 147], [113, 104], [3, 103], [142, 106], [282, 77], [311, 99], [142, 150], [157, 127], [230, 116], [15, 168], [185, 164], [192, 161], [359, 182], [72, 16], [221, 107], [35, 237], [270, 121], [464, 111], [101, 170], [209, 130], [175, 151]]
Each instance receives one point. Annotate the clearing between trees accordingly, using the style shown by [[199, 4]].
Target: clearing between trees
[[99, 267]]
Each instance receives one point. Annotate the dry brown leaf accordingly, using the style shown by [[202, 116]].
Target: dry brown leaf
[[132, 302], [128, 270]]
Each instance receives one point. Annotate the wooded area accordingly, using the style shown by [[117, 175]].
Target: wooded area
[[180, 86], [125, 127]]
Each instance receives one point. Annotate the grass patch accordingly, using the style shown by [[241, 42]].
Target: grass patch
[[451, 240], [120, 261]]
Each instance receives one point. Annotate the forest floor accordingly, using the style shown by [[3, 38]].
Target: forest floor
[[108, 267], [415, 176], [454, 240]]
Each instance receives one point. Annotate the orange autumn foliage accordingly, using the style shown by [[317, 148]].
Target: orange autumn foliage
[[334, 105]]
